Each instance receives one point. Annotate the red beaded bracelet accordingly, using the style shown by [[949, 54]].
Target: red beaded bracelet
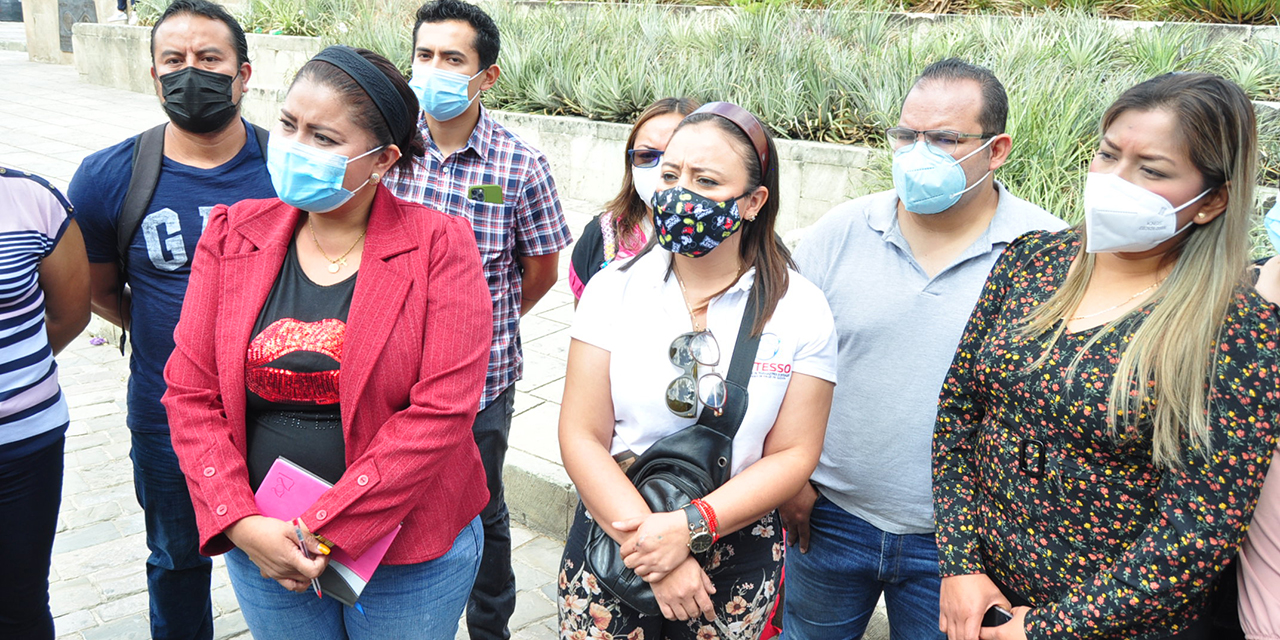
[[709, 515]]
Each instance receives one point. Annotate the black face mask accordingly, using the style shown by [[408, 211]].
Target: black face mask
[[196, 100]]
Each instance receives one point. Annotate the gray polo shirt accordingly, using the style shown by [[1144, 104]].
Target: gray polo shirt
[[898, 332]]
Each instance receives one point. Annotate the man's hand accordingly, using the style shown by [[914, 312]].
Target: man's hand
[[1015, 629], [795, 515], [963, 602]]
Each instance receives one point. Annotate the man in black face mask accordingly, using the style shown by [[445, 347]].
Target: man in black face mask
[[206, 155]]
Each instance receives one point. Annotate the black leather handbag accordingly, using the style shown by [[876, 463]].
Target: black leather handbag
[[678, 468]]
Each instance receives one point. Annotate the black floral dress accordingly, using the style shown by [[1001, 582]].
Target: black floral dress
[[1100, 540]]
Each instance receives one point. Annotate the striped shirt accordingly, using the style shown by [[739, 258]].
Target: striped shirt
[[528, 222], [33, 216]]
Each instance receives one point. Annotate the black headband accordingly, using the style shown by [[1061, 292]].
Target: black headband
[[375, 83]]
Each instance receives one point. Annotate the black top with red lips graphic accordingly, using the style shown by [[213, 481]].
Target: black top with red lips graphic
[[292, 375]]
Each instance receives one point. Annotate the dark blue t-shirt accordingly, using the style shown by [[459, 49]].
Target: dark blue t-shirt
[[162, 249]]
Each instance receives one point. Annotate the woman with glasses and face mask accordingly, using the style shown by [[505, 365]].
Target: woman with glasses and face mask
[[627, 222], [1103, 430], [651, 345], [333, 297]]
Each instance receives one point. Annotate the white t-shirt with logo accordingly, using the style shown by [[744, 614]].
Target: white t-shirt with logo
[[635, 314]]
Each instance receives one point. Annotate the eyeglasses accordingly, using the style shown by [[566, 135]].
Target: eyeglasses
[[684, 393], [644, 158], [944, 140]]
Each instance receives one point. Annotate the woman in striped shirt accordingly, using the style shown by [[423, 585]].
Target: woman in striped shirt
[[44, 304]]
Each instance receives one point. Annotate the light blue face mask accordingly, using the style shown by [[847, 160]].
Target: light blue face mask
[[1272, 223], [929, 181], [442, 94], [309, 178]]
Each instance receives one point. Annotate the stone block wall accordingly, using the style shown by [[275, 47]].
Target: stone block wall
[[586, 156]]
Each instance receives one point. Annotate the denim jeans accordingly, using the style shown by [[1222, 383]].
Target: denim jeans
[[178, 577], [832, 590], [421, 600], [493, 598], [30, 494]]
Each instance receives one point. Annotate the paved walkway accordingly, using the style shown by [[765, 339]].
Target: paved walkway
[[50, 120]]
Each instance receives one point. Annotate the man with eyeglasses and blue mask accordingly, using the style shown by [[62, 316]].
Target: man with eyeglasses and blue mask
[[477, 169], [143, 204], [902, 270]]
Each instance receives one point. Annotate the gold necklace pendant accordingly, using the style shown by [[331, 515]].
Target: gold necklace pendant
[[337, 264]]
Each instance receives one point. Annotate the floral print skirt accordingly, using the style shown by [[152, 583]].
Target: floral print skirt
[[744, 567]]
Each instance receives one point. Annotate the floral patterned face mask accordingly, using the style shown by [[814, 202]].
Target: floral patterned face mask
[[691, 224]]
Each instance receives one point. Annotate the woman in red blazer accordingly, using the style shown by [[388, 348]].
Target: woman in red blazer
[[348, 331]]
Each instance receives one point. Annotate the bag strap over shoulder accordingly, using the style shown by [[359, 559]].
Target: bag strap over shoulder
[[148, 158], [744, 355], [746, 346]]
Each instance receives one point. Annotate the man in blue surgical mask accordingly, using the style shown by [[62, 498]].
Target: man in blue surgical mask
[[206, 155], [476, 169], [902, 270]]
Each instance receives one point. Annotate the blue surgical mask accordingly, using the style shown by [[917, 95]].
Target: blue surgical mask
[[442, 94], [929, 181], [1272, 222], [309, 178]]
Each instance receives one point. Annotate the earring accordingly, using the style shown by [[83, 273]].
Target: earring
[[375, 178], [1200, 215]]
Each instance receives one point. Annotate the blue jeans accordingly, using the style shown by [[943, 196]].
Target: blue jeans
[[832, 590], [423, 600], [493, 598], [30, 494], [178, 577]]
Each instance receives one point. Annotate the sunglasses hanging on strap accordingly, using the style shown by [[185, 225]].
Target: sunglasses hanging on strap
[[681, 467]]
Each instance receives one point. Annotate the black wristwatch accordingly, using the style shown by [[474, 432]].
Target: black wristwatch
[[700, 537]]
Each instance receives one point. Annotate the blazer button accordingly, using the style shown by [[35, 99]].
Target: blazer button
[[321, 514], [362, 480], [221, 510], [209, 471]]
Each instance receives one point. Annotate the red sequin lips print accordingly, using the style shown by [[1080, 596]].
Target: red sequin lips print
[[286, 336]]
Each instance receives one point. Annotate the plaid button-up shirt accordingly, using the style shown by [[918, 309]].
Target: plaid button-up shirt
[[529, 222]]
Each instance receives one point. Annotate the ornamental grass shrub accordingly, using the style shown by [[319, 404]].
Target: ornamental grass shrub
[[835, 75]]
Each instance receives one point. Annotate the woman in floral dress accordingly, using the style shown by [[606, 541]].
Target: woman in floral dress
[[1104, 428]]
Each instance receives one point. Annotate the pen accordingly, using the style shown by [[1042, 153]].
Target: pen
[[315, 582]]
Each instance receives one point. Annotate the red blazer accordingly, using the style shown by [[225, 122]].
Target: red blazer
[[412, 371]]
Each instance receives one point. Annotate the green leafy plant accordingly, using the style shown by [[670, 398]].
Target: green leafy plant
[[1262, 12], [836, 75]]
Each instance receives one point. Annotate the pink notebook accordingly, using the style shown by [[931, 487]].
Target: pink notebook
[[286, 493]]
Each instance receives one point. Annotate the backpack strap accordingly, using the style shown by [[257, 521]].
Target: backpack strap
[[148, 157], [263, 137]]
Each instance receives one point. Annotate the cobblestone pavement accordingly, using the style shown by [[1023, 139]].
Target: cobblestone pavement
[[98, 582], [49, 120]]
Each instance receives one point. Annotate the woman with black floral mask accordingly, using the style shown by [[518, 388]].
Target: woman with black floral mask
[[712, 565]]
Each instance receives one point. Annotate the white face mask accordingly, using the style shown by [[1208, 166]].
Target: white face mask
[[645, 180], [1121, 216]]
